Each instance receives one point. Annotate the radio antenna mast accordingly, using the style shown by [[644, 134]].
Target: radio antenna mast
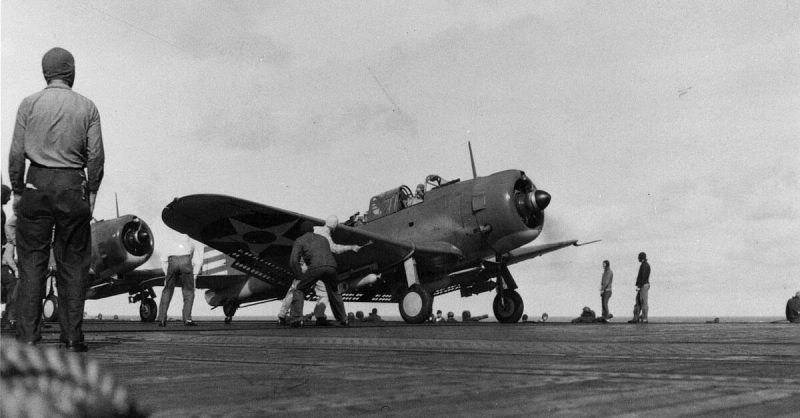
[[472, 161]]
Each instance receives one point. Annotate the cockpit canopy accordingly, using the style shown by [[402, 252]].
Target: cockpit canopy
[[387, 203]]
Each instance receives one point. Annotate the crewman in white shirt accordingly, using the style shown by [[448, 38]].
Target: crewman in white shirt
[[181, 261]]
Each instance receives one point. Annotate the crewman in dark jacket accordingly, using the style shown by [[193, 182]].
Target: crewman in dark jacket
[[315, 250], [58, 130], [642, 289]]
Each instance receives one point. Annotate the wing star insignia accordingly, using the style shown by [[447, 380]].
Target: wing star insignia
[[258, 239]]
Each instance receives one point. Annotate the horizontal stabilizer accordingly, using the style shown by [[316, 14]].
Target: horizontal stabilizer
[[215, 262]]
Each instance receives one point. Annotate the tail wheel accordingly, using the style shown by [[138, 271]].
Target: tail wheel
[[416, 305], [148, 310], [508, 307], [50, 308]]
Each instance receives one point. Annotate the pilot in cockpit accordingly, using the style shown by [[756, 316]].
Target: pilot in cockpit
[[418, 196]]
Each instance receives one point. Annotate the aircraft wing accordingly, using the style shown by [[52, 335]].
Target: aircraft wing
[[526, 253], [146, 277], [386, 252], [134, 280], [260, 238]]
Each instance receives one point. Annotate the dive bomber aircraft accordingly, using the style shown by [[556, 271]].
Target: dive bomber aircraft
[[458, 236], [119, 246]]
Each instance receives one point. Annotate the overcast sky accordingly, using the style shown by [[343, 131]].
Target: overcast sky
[[666, 127]]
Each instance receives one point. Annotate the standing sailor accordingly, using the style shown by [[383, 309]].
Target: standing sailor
[[605, 288], [58, 130], [181, 261], [642, 289]]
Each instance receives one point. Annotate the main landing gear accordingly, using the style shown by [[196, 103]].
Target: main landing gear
[[508, 307], [50, 304], [148, 309], [229, 309], [50, 308], [507, 304], [416, 305]]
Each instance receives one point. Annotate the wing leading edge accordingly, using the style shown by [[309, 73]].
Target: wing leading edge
[[527, 253]]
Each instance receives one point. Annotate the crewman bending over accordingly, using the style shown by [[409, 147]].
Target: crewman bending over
[[316, 249]]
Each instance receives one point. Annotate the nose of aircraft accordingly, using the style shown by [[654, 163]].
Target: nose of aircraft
[[137, 238], [540, 199]]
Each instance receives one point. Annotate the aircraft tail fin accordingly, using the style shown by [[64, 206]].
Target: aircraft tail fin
[[216, 263]]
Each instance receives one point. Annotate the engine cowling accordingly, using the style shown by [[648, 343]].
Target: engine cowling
[[511, 210], [120, 245]]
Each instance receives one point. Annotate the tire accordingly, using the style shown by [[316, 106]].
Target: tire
[[511, 310], [229, 309], [148, 310], [416, 305], [50, 308]]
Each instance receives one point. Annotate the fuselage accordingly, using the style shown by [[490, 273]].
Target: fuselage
[[481, 217]]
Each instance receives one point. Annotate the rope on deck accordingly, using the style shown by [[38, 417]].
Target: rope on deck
[[48, 382]]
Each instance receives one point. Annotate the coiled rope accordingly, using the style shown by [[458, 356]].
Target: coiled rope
[[48, 382]]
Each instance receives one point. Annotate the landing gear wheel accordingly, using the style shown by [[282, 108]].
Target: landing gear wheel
[[416, 305], [230, 310], [148, 310], [50, 308], [508, 307]]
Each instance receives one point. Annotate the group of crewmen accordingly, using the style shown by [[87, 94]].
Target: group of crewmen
[[640, 308]]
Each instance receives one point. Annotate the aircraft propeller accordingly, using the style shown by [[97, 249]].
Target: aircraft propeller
[[528, 204], [136, 238], [540, 199]]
